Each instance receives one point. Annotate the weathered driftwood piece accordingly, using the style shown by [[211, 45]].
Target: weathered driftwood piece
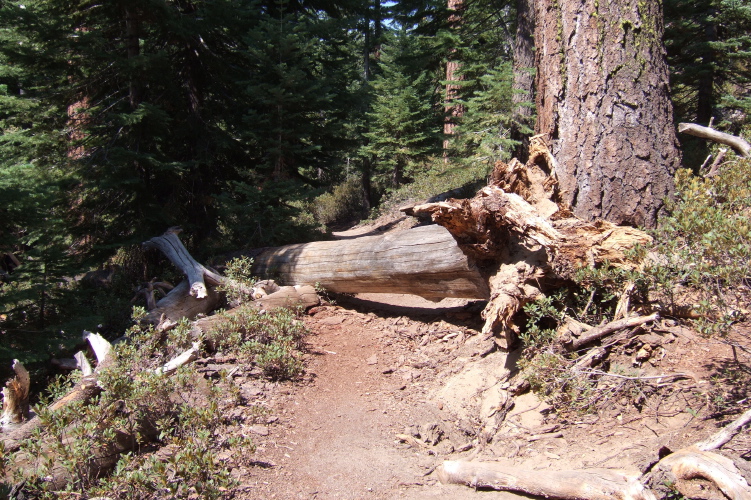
[[591, 484], [148, 292], [699, 462], [183, 359], [179, 303], [737, 143], [100, 346], [526, 239], [171, 246], [714, 169], [597, 354], [83, 364], [721, 437], [423, 261], [86, 389], [16, 396], [288, 296], [599, 332], [692, 463]]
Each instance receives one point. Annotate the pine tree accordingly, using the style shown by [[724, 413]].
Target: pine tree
[[484, 131], [709, 51], [403, 121]]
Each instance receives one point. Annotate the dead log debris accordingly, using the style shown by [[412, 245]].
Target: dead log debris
[[509, 245], [525, 238], [679, 468], [740, 145]]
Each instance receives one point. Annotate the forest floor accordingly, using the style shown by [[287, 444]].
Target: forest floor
[[395, 385]]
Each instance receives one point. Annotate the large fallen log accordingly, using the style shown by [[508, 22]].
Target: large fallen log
[[526, 238], [424, 261]]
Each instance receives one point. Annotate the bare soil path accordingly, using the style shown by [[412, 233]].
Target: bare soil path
[[395, 384], [335, 436]]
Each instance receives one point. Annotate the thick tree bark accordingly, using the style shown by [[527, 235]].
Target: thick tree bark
[[602, 98], [453, 110], [423, 261]]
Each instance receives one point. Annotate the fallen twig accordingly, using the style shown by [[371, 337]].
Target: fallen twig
[[602, 331], [645, 377]]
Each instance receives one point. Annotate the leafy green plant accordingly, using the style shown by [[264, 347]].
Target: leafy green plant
[[543, 317], [140, 407], [239, 274], [345, 201], [704, 244], [549, 376]]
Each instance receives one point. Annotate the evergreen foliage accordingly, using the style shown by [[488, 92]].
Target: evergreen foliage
[[484, 129], [483, 46], [709, 53], [403, 121]]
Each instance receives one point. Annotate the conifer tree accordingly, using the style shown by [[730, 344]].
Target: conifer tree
[[709, 51], [403, 121]]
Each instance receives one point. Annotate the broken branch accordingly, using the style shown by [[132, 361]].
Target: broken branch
[[737, 143], [602, 331], [566, 485]]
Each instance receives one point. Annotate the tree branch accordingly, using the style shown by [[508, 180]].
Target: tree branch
[[737, 143]]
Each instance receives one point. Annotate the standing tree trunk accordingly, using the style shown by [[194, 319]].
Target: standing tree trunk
[[524, 78], [453, 110], [602, 98]]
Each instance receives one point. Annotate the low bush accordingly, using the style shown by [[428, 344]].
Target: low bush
[[183, 414]]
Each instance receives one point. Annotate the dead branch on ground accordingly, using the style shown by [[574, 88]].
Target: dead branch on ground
[[735, 142]]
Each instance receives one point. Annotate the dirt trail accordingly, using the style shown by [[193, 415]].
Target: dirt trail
[[335, 436], [380, 366]]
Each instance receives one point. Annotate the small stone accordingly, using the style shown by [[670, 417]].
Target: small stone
[[372, 360], [332, 320], [644, 353], [261, 430]]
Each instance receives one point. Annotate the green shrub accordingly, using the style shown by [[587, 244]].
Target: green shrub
[[704, 243], [345, 201]]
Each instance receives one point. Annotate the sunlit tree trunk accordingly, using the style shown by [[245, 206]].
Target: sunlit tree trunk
[[602, 98], [453, 110], [524, 78]]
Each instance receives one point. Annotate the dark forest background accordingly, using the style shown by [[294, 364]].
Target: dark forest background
[[257, 122]]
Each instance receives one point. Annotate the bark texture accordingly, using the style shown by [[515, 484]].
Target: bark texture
[[453, 109], [602, 98], [424, 261]]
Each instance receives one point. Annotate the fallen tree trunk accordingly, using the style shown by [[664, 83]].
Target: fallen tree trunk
[[591, 484], [526, 237], [424, 261]]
